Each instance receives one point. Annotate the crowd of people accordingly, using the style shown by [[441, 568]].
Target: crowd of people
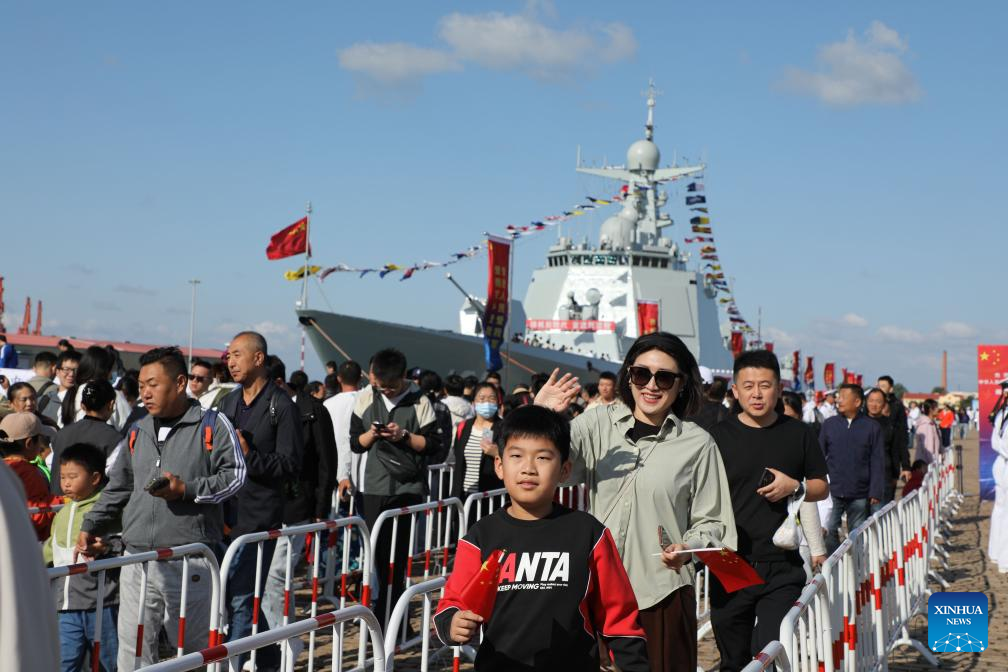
[[674, 460]]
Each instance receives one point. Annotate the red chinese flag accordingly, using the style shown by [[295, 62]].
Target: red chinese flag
[[737, 343], [290, 241], [480, 592], [828, 375], [731, 569], [769, 346], [647, 317]]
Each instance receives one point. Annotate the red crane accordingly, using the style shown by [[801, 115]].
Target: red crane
[[26, 322], [38, 319]]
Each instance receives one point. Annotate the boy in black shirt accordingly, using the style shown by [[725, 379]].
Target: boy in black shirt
[[758, 440], [562, 582]]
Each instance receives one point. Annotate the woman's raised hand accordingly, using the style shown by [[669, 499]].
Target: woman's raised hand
[[558, 393]]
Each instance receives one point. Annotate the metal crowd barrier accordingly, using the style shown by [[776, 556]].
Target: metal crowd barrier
[[263, 565], [100, 567], [45, 508], [440, 479], [440, 536], [396, 639], [858, 609], [228, 650], [574, 497], [495, 499], [772, 654]]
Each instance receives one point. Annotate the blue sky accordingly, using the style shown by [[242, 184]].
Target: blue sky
[[855, 157]]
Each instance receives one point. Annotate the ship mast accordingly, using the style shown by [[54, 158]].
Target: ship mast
[[642, 174]]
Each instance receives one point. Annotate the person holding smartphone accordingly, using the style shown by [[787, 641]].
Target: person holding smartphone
[[769, 458], [474, 448]]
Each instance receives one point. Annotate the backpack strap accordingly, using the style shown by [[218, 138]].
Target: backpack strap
[[207, 428], [133, 431]]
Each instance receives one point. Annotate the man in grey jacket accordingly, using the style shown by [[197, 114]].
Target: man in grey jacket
[[167, 483]]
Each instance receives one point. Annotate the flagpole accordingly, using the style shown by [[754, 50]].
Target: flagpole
[[507, 346], [304, 286]]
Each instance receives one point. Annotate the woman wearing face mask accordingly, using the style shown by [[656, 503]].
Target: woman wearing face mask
[[474, 448], [646, 468]]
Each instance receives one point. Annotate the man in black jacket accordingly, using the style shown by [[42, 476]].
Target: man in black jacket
[[269, 431], [897, 412], [307, 497], [894, 439]]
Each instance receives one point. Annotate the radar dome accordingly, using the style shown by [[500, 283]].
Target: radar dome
[[618, 230], [643, 155]]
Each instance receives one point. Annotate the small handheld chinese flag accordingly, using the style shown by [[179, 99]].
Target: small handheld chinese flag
[[479, 594], [731, 570], [289, 241]]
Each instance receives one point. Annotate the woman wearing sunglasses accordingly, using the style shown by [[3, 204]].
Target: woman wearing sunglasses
[[657, 482]]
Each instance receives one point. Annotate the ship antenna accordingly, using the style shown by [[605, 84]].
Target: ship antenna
[[652, 93]]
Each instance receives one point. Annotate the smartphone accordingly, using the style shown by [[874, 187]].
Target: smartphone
[[157, 483], [379, 427], [767, 478], [664, 541]]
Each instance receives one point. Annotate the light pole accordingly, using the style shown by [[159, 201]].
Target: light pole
[[192, 320]]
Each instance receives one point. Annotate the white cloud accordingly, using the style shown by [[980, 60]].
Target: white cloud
[[520, 42], [267, 328], [854, 320], [510, 42], [899, 334], [956, 330], [395, 63], [857, 71], [781, 339]]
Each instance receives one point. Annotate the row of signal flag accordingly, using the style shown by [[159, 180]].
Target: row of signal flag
[[713, 269], [293, 240], [829, 374]]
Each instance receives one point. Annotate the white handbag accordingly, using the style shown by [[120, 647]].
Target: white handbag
[[787, 535]]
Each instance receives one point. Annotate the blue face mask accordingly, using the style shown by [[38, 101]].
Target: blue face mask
[[486, 409]]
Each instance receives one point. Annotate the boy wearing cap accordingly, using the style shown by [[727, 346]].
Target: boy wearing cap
[[21, 441]]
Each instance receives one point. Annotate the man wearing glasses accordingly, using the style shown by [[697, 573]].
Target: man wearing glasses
[[66, 377], [202, 386]]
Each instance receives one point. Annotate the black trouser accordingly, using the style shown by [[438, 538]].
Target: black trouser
[[373, 506], [734, 615]]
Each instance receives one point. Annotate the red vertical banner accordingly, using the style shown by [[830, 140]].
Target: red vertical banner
[[829, 375], [843, 375], [992, 368], [495, 317], [809, 374], [769, 346], [859, 379], [647, 317], [795, 368], [737, 343]]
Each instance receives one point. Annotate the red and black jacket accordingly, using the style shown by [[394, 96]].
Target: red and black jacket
[[562, 585]]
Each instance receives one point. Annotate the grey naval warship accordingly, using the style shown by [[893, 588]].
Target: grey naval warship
[[580, 312]]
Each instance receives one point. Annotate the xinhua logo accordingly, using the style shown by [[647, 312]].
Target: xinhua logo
[[957, 622]]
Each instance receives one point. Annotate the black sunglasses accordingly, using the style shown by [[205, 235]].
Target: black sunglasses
[[198, 379], [641, 376]]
